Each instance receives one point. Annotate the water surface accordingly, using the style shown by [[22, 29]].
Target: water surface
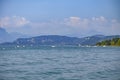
[[60, 63]]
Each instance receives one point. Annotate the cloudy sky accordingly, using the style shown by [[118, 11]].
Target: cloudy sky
[[61, 17]]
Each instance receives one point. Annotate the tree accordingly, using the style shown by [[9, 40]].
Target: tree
[[118, 42], [112, 42]]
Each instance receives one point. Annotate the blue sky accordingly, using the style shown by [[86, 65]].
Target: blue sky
[[61, 17]]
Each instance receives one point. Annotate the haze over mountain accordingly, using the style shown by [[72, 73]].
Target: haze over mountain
[[77, 18], [16, 38], [61, 40], [9, 37]]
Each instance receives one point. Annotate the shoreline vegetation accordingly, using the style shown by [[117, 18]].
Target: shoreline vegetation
[[56, 41], [111, 42]]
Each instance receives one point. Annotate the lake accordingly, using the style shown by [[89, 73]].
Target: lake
[[60, 63]]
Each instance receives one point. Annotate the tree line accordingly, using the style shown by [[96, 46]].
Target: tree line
[[112, 42]]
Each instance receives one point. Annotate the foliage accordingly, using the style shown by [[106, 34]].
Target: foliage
[[112, 42]]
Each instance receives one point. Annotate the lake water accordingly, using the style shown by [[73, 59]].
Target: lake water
[[60, 63]]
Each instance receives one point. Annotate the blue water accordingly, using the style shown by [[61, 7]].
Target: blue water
[[60, 63]]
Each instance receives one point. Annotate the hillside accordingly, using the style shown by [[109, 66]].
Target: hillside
[[48, 40], [112, 42], [60, 40]]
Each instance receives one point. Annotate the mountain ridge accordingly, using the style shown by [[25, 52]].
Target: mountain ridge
[[61, 40], [9, 37]]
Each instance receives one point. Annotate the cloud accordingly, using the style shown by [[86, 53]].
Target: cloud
[[99, 19], [75, 26], [93, 25], [79, 22], [72, 21], [14, 21]]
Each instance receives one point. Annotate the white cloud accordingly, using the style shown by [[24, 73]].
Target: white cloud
[[99, 19], [85, 22], [14, 21], [71, 25], [4, 21], [94, 24], [72, 21], [77, 25]]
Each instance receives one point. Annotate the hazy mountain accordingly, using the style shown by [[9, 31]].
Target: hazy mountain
[[92, 40], [62, 40], [2, 31], [4, 36], [16, 38], [9, 37], [48, 40]]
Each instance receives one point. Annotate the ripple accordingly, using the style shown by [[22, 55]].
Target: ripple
[[60, 64]]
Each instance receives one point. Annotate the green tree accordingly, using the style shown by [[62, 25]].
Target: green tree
[[112, 43], [118, 42]]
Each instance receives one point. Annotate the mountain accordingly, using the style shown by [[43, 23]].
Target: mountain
[[2, 31], [62, 40], [9, 37], [92, 40], [110, 42], [48, 40], [4, 36]]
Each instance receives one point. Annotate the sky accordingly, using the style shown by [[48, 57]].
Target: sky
[[76, 18]]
